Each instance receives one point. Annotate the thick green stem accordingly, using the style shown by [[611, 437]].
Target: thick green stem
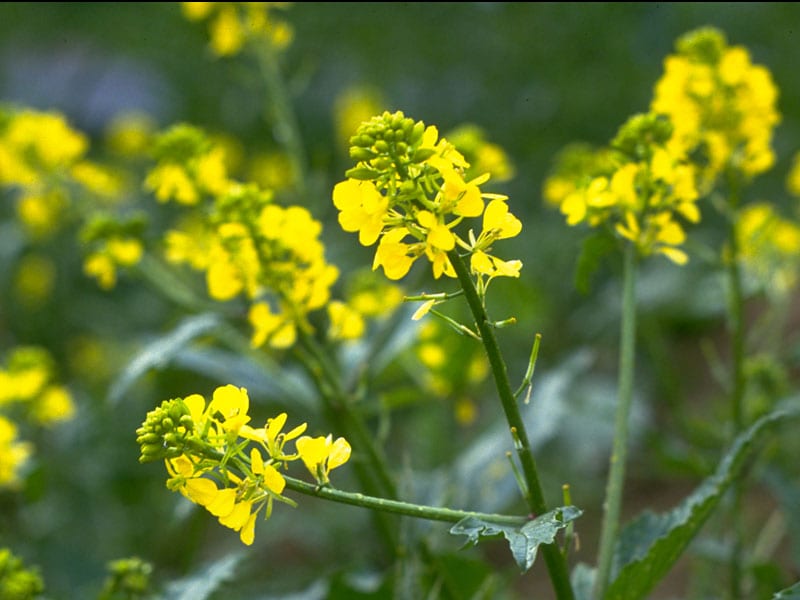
[[616, 475], [418, 511], [556, 565]]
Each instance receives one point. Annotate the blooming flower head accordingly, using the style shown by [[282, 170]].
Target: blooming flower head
[[408, 192], [722, 105], [639, 189], [246, 244], [233, 24], [769, 247], [210, 457]]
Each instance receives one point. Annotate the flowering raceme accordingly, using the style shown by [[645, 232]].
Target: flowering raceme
[[723, 106], [233, 24], [637, 188], [27, 392], [206, 448], [408, 192], [769, 247], [43, 159], [245, 243]]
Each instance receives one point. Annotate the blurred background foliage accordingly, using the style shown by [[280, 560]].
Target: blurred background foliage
[[533, 77]]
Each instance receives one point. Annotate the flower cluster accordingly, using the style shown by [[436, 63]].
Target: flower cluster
[[42, 157], [218, 460], [27, 388], [111, 244], [246, 244], [234, 24], [408, 192], [769, 247], [638, 187], [367, 297], [723, 107], [16, 580], [189, 167]]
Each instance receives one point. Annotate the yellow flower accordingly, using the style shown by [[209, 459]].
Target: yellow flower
[[232, 404], [346, 323], [13, 454], [171, 182], [270, 327], [321, 455], [272, 436], [227, 33], [362, 208], [101, 266], [55, 404], [393, 254]]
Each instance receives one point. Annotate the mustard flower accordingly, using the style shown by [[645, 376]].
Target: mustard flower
[[769, 247], [209, 459], [13, 453], [408, 192], [272, 436], [189, 167], [233, 24], [639, 189], [723, 106], [111, 244], [322, 454]]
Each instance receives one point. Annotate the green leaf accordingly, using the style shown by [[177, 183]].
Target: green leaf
[[650, 545], [206, 580], [595, 248], [791, 593], [161, 351], [524, 540]]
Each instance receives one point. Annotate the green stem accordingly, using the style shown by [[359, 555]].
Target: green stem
[[736, 331], [556, 565], [329, 384], [284, 120], [418, 511], [616, 475]]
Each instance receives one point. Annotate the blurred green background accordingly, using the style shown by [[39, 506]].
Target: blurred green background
[[535, 77]]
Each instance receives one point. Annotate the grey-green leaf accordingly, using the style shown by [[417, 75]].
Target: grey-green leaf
[[791, 593], [160, 352], [650, 545], [524, 540], [206, 580]]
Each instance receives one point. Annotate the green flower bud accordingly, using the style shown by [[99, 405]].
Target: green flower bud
[[361, 173], [167, 424], [358, 153], [422, 154], [416, 132], [382, 146]]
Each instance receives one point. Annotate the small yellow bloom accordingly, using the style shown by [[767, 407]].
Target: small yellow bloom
[[270, 327], [393, 254], [362, 208], [346, 323], [232, 404], [321, 455]]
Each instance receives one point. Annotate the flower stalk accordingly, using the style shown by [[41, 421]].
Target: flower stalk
[[556, 565], [616, 476]]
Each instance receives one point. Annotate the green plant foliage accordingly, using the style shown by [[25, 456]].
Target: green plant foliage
[[650, 545], [524, 540]]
